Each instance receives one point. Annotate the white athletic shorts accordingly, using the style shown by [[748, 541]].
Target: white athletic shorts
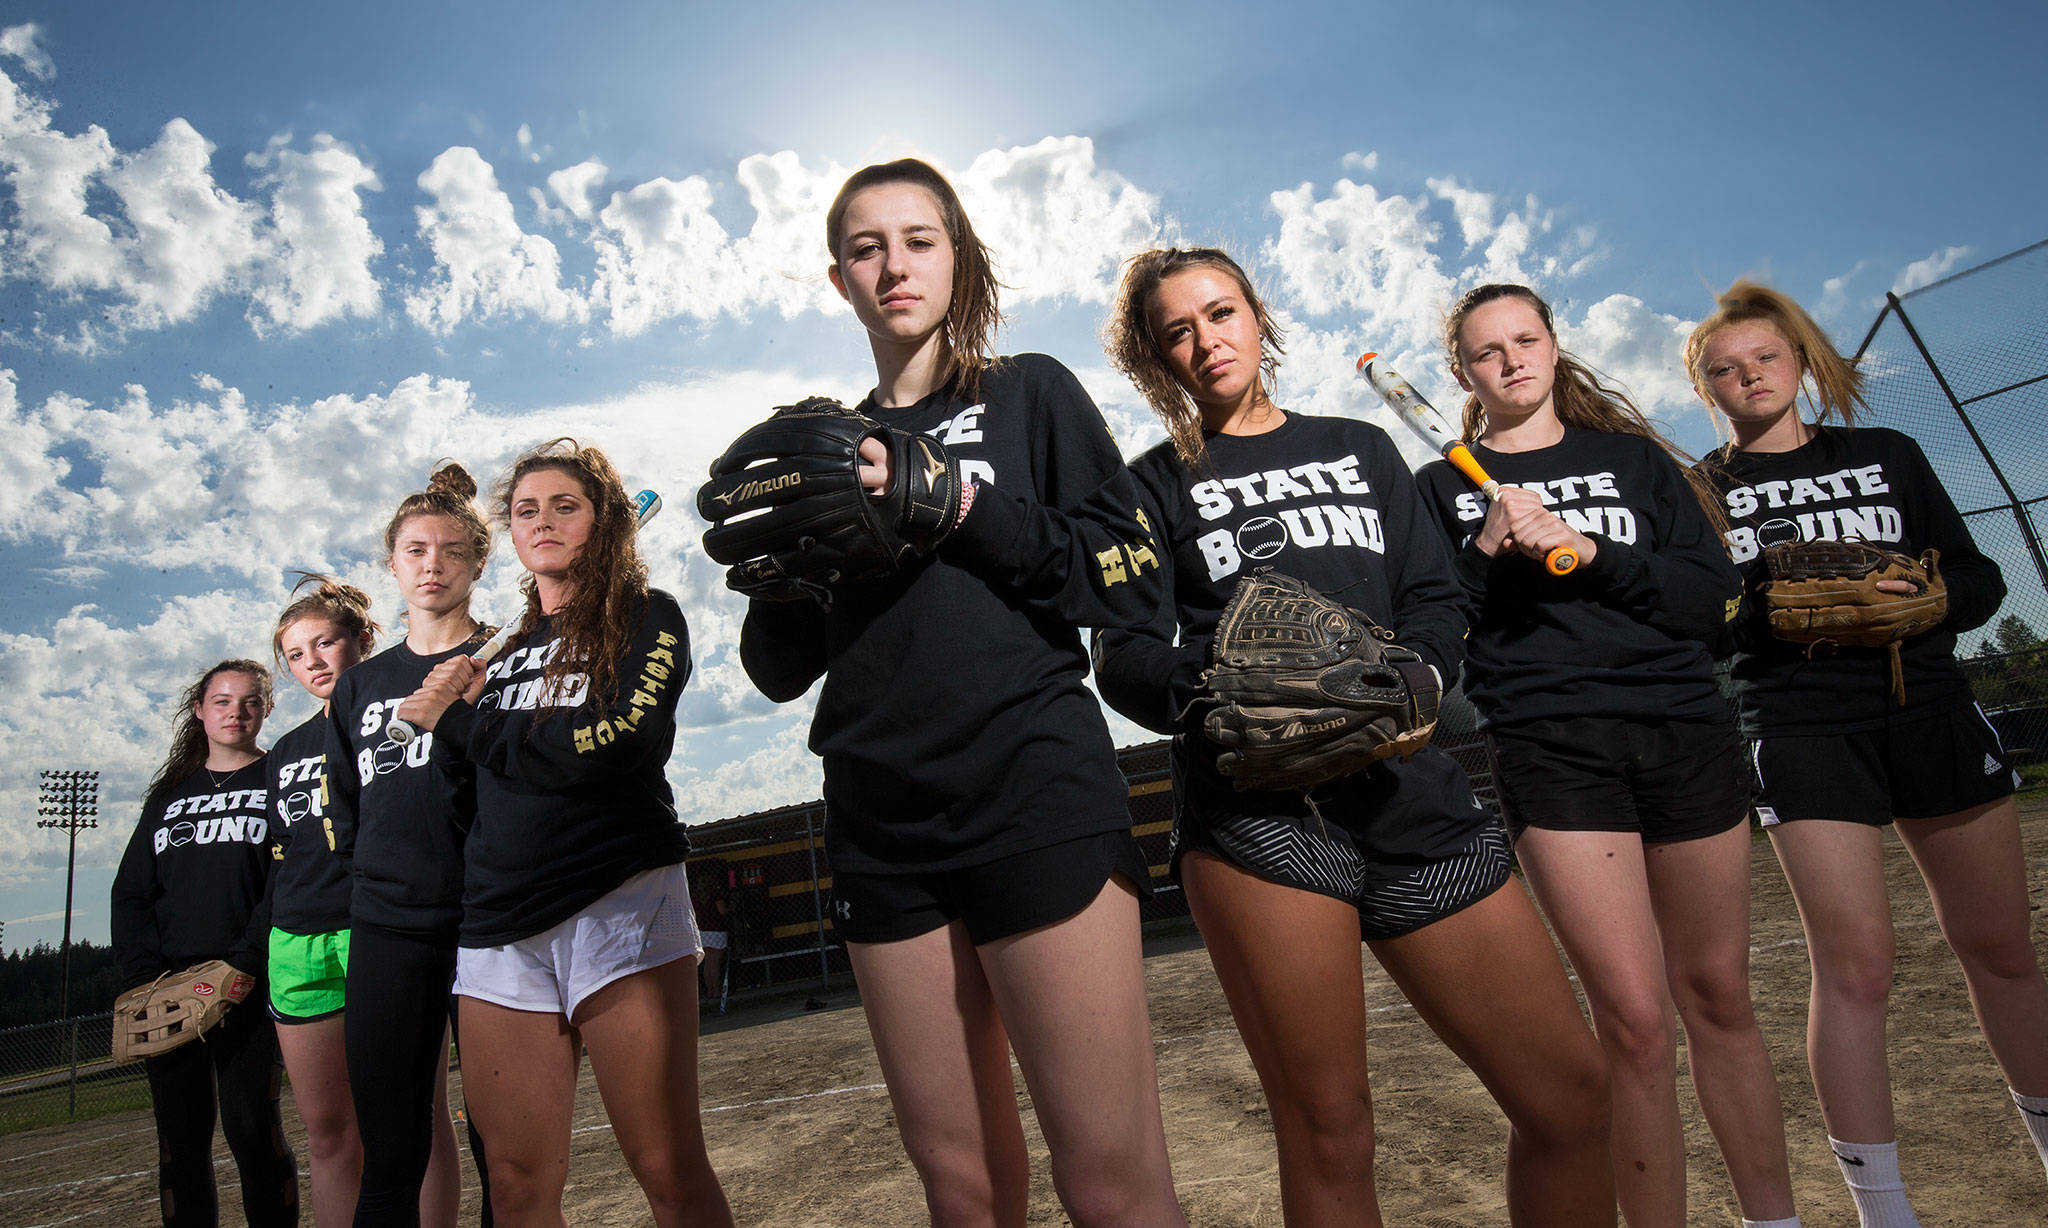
[[716, 940], [643, 923]]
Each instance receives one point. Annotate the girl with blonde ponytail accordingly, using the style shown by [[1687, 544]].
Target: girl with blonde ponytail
[[318, 636], [1617, 763], [1837, 755]]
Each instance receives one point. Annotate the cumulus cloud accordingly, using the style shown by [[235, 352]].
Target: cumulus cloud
[[1511, 244], [1639, 348], [54, 238], [572, 186], [177, 241], [324, 245], [32, 468], [780, 770], [663, 256], [191, 239], [485, 265], [1379, 272], [23, 44], [1056, 221], [1362, 255], [1927, 272]]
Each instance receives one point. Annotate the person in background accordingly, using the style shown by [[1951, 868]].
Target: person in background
[[714, 922], [318, 637], [1843, 741], [193, 886], [399, 823]]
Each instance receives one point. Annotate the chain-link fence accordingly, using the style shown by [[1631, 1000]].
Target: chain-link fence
[[63, 1071], [1962, 366]]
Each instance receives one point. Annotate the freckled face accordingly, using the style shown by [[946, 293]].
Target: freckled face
[[1752, 371], [316, 651], [1508, 358]]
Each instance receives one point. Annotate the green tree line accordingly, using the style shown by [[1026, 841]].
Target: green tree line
[[29, 982]]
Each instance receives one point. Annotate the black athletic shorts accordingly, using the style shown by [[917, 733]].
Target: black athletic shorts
[[1665, 780], [1917, 769], [996, 899]]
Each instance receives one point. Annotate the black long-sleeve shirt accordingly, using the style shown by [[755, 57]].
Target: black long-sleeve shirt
[[572, 798], [399, 819], [310, 892], [194, 882], [1329, 501], [954, 722], [1629, 633], [1869, 484]]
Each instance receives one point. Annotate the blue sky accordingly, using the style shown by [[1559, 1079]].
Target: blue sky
[[260, 265]]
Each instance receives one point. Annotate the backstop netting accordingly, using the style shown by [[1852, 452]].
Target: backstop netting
[[1962, 366]]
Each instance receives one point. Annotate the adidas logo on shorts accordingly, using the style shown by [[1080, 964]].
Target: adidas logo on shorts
[[1992, 766]]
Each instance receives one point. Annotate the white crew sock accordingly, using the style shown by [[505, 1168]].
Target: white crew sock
[[1790, 1221], [1872, 1171], [2034, 1111]]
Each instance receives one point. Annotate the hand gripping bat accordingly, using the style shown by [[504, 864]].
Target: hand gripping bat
[[645, 505], [1423, 419]]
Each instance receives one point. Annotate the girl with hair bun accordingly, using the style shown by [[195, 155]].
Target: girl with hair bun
[[1837, 754], [1616, 761], [398, 822], [985, 880], [318, 637], [1285, 882], [577, 929], [193, 886]]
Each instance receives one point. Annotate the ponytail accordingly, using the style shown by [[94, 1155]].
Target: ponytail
[[344, 605], [1837, 383]]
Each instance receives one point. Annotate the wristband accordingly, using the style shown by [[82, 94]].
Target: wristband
[[966, 502]]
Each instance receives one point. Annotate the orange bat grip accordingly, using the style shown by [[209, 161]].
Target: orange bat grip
[[1561, 559]]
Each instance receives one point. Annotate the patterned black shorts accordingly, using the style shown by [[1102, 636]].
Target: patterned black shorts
[[1310, 855]]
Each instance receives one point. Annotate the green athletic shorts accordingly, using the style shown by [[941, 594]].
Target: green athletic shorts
[[307, 975]]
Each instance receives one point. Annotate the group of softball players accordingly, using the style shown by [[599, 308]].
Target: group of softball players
[[522, 856]]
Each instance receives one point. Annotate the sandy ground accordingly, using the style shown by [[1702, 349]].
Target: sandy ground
[[801, 1132]]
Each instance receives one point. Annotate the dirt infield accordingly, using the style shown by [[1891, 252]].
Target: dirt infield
[[801, 1131]]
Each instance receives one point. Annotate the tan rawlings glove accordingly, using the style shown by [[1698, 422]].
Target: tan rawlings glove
[[177, 1007], [1826, 594]]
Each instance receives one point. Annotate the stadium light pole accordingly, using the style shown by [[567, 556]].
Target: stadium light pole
[[69, 801]]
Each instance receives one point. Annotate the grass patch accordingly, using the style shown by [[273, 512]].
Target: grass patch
[[51, 1106]]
